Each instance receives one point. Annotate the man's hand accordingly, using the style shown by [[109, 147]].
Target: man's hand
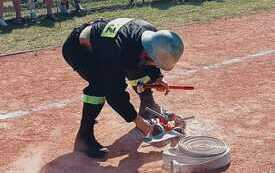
[[162, 85], [142, 125]]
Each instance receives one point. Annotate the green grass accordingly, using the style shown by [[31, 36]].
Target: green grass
[[162, 13]]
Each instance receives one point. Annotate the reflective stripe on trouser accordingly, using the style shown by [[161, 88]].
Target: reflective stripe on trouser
[[144, 79], [95, 100]]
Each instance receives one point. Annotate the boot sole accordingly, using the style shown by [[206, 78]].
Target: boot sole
[[102, 157]]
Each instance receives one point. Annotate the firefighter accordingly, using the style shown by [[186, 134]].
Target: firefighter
[[107, 52]]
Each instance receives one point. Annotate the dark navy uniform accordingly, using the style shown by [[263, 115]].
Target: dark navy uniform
[[115, 55]]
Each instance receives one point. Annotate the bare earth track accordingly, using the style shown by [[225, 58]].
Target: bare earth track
[[231, 63]]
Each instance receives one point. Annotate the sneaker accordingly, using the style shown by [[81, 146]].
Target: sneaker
[[131, 3], [79, 8], [33, 15], [3, 23], [50, 17], [19, 20]]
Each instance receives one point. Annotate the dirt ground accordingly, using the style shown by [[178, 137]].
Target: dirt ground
[[230, 62]]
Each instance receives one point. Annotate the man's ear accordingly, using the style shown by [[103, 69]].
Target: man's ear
[[143, 55]]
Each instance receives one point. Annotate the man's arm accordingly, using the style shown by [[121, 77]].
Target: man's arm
[[119, 99], [117, 96]]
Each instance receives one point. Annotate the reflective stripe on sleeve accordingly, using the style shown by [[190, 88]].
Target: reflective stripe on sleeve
[[93, 99], [144, 79], [86, 33]]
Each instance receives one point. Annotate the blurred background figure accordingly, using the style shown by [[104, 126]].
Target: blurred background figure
[[64, 7], [17, 8], [31, 5], [49, 6]]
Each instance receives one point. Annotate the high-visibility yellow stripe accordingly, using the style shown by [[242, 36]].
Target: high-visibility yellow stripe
[[111, 29], [93, 99], [144, 79]]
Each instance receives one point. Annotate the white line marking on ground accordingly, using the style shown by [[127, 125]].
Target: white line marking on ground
[[52, 105], [229, 62], [63, 103]]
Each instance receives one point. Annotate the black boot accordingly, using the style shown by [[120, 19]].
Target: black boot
[[90, 146], [85, 140]]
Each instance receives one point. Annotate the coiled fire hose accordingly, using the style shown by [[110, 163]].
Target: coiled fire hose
[[197, 154]]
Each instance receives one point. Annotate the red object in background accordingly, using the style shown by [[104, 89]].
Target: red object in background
[[181, 87]]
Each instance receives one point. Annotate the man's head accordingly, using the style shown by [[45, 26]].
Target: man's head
[[163, 47]]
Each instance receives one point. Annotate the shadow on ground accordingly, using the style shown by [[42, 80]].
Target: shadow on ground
[[124, 149]]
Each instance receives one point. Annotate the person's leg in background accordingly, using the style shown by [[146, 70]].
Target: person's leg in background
[[17, 8], [31, 5], [49, 7], [64, 7], [2, 21]]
